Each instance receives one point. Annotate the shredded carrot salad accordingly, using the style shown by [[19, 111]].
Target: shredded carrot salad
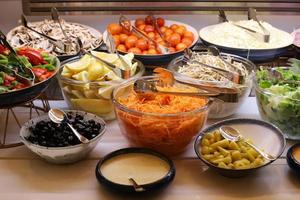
[[169, 135]]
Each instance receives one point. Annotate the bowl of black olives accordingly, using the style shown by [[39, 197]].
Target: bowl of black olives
[[56, 143]]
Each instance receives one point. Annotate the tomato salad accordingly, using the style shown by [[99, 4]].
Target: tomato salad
[[41, 63]]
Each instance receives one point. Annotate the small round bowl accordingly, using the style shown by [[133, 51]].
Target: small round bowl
[[279, 110], [291, 160], [166, 133], [78, 97], [62, 155], [159, 184], [219, 108], [263, 134]]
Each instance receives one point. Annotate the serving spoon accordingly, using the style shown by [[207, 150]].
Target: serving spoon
[[58, 116], [234, 135], [136, 186]]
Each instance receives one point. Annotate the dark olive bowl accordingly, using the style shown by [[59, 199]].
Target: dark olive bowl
[[291, 160], [159, 184], [17, 97], [265, 135]]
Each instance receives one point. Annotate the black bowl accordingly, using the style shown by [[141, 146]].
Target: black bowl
[[166, 180], [259, 130], [17, 97], [291, 160]]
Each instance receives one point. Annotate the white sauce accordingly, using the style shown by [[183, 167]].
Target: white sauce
[[143, 168]]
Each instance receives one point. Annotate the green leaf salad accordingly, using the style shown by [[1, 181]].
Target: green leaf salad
[[278, 97]]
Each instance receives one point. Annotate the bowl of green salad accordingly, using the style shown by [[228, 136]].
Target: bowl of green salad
[[278, 97]]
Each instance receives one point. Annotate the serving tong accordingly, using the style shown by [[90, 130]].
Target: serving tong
[[66, 47], [265, 36], [26, 80], [56, 18], [252, 15], [126, 24], [166, 79], [118, 71], [234, 77], [156, 27]]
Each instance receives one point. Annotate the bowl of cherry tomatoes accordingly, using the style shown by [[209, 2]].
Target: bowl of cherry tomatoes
[[177, 36]]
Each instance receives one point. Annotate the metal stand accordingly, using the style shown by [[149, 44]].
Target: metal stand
[[9, 112]]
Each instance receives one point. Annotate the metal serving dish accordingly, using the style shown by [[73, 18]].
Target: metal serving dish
[[219, 109], [24, 95], [61, 57], [152, 61]]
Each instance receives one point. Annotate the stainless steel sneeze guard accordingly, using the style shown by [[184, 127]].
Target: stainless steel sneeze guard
[[77, 7]]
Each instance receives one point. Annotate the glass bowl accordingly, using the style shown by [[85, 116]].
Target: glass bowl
[[166, 133], [279, 110], [219, 108], [93, 97]]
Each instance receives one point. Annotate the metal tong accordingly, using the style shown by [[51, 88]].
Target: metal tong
[[112, 49], [22, 67], [119, 72], [234, 77], [126, 24], [252, 15], [156, 27], [56, 18], [145, 87], [223, 18], [57, 43]]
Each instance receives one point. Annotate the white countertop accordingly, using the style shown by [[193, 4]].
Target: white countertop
[[24, 176]]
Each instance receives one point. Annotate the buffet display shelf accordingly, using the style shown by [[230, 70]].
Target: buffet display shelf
[[24, 175]]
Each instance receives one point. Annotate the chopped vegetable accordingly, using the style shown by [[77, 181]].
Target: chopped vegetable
[[279, 102]]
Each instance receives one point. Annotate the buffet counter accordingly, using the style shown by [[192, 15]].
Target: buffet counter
[[25, 176]]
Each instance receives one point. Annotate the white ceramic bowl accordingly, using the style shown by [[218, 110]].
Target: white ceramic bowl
[[62, 155]]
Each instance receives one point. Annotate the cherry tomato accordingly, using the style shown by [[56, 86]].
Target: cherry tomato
[[160, 21], [168, 32], [188, 34], [163, 29], [125, 31], [114, 28], [187, 41], [180, 31], [142, 44], [174, 27], [142, 27], [152, 52], [123, 38], [130, 41], [116, 39], [121, 47], [174, 39], [151, 35], [148, 20], [135, 50], [139, 21], [149, 28], [172, 49], [180, 46]]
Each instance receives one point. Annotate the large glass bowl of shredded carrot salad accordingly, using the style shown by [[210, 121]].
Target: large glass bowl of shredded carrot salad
[[166, 123]]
